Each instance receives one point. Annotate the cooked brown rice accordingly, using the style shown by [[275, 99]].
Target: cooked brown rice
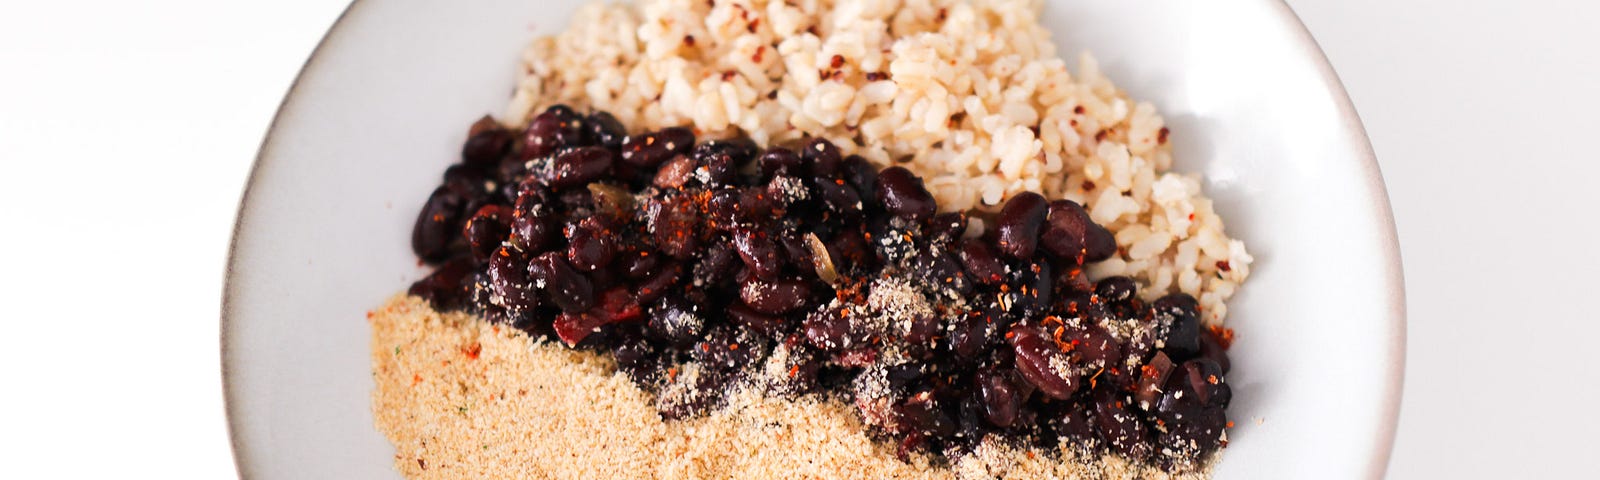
[[969, 94]]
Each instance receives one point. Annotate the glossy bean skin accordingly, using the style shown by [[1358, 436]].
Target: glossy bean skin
[[568, 288], [775, 297], [902, 194], [580, 166], [1018, 225], [651, 149], [436, 225]]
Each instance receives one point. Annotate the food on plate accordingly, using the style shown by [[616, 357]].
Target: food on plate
[[697, 259]]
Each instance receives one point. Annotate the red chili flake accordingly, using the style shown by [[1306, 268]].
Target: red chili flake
[[1230, 423], [1162, 137], [943, 14], [793, 369], [1088, 185], [473, 350], [1100, 135], [757, 57], [1191, 217], [836, 62], [422, 464], [1224, 336], [1212, 379], [1224, 266], [1078, 110], [753, 25], [688, 40], [728, 75], [772, 95], [415, 379]]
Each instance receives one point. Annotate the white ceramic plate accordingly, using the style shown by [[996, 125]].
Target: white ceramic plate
[[380, 109]]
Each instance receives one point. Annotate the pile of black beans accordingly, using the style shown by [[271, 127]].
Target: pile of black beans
[[667, 253]]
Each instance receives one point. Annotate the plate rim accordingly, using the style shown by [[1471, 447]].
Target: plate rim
[[1380, 212]]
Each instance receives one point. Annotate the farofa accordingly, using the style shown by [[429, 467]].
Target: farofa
[[970, 95], [461, 398]]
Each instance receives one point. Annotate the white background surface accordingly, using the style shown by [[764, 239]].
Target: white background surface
[[126, 133]]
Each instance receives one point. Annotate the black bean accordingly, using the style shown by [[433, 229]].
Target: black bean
[[1118, 425], [674, 224], [1017, 227], [776, 296], [1198, 433], [1116, 289], [902, 194], [639, 262], [604, 130], [1094, 346], [755, 206], [718, 264], [738, 151], [1181, 314], [651, 149], [442, 288], [947, 228], [541, 137], [1033, 286], [780, 160], [1042, 363], [467, 182], [798, 252], [486, 230], [530, 231], [839, 199], [590, 244], [821, 156], [437, 225], [859, 173], [1001, 400], [726, 348], [716, 171], [769, 325], [485, 149], [659, 283], [969, 336], [509, 282], [579, 166], [569, 289], [759, 253], [827, 330], [982, 265], [1071, 233], [939, 269], [849, 250], [672, 320], [573, 131], [922, 413], [1074, 422], [635, 357]]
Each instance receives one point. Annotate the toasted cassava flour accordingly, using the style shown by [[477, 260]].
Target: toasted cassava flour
[[461, 398]]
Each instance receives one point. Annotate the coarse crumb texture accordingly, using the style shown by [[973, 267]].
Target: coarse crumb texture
[[461, 398], [969, 94]]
